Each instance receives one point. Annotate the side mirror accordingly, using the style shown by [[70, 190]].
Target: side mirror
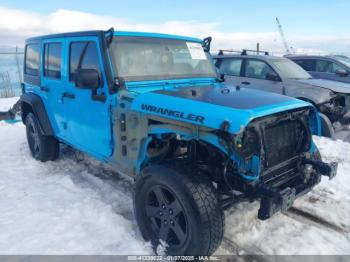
[[87, 79], [272, 77], [342, 72]]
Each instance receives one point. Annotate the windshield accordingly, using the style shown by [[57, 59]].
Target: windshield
[[291, 70], [150, 58], [343, 60]]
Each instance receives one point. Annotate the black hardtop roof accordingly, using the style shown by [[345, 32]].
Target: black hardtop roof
[[69, 34]]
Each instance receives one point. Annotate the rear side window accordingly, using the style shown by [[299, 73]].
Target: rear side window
[[52, 60], [83, 55], [307, 64], [322, 66], [257, 69], [231, 67], [32, 59]]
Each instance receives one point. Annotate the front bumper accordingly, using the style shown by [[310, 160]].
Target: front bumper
[[281, 198]]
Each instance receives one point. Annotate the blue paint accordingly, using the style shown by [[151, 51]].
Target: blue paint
[[80, 122], [88, 121], [56, 109], [251, 167], [214, 114], [86, 124], [143, 154], [12, 122]]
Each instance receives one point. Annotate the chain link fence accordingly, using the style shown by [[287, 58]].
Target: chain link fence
[[11, 72]]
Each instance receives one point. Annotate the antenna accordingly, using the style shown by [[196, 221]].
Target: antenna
[[284, 40]]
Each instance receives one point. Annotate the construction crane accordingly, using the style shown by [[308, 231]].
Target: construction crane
[[280, 29]]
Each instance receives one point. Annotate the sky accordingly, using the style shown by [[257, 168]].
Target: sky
[[320, 26]]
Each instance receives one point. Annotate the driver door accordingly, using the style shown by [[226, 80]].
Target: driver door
[[89, 121], [328, 70]]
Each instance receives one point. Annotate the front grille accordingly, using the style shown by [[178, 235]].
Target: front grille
[[281, 175], [280, 142]]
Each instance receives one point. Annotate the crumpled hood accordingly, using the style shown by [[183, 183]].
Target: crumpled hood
[[328, 84], [209, 106]]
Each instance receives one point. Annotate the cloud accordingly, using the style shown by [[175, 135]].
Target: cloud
[[16, 25]]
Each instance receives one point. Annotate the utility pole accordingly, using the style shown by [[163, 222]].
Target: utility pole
[[18, 66]]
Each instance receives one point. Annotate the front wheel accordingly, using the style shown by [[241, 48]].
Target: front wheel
[[181, 208]]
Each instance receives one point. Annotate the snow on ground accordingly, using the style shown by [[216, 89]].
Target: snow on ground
[[60, 207], [7, 103], [331, 200], [80, 207]]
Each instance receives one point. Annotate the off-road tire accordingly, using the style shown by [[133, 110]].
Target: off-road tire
[[199, 202], [42, 147]]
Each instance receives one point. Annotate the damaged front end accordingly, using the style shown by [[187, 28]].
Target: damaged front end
[[275, 160], [279, 195], [337, 109]]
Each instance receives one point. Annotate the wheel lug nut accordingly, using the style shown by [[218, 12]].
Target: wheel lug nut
[[163, 206], [165, 222], [160, 213], [170, 212], [172, 222]]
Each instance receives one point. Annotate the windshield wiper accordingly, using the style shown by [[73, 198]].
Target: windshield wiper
[[300, 78]]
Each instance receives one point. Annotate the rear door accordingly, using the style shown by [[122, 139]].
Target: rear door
[[255, 73], [89, 121], [52, 87], [308, 65]]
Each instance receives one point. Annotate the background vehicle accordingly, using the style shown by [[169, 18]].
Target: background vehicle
[[151, 105], [281, 75], [335, 68]]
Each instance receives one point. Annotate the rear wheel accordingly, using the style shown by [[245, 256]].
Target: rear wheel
[[180, 208], [42, 147]]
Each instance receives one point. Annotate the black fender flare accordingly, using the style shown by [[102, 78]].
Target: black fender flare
[[31, 102]]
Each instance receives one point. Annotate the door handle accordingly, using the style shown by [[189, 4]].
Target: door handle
[[68, 95], [246, 83], [44, 89]]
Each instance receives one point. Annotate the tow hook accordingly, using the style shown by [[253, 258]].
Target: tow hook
[[325, 169], [333, 167]]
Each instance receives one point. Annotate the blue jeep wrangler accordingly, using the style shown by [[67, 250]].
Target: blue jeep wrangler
[[153, 107]]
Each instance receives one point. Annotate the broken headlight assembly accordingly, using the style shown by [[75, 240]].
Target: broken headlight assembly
[[303, 135], [335, 108], [247, 143]]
